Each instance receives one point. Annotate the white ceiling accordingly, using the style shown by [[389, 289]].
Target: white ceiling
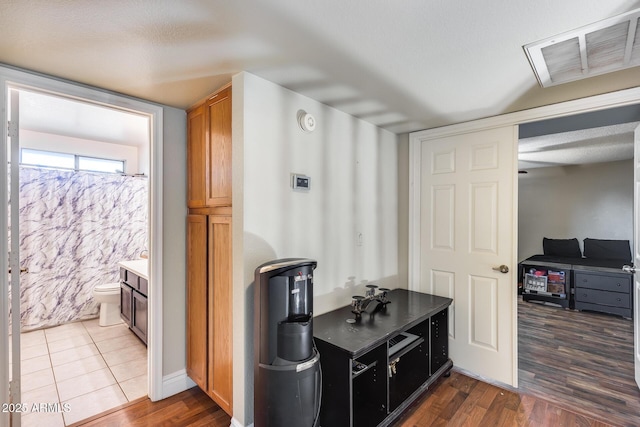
[[596, 145], [404, 66], [63, 116]]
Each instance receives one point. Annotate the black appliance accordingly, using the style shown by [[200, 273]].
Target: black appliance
[[287, 376]]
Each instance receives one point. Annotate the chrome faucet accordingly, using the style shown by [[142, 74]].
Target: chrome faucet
[[360, 303]]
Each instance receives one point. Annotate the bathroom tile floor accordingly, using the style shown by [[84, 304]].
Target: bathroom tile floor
[[85, 368]]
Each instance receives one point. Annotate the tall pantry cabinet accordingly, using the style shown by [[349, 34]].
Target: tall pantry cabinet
[[209, 243]]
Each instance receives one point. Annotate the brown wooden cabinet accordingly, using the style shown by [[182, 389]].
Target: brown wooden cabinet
[[209, 152], [220, 314], [197, 321], [209, 245], [209, 306], [196, 155]]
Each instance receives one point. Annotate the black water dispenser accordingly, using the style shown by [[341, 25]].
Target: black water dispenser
[[287, 376]]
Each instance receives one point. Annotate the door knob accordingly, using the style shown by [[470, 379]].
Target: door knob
[[628, 269], [502, 269]]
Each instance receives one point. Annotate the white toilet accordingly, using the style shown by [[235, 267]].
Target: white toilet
[[108, 296]]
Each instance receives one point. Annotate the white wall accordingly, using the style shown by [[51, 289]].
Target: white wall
[[174, 213], [594, 200], [353, 167], [403, 208]]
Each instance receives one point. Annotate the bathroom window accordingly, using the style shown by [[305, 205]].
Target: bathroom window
[[47, 159], [55, 160], [100, 165]]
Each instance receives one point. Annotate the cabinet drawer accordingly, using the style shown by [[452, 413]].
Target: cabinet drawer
[[130, 278], [594, 296], [611, 283], [143, 286]]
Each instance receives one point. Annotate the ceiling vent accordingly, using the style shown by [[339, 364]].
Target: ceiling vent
[[603, 47]]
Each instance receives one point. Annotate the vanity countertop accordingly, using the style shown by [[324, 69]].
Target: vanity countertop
[[138, 266]]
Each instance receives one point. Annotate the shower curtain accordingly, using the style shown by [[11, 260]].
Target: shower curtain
[[74, 229]]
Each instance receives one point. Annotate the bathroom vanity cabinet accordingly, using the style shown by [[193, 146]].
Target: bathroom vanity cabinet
[[134, 302], [375, 367]]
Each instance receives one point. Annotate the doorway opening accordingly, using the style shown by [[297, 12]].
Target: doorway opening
[[577, 184], [84, 165]]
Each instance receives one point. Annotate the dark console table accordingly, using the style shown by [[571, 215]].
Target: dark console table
[[375, 367]]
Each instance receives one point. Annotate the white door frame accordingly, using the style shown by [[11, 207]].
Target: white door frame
[[593, 103], [10, 77], [15, 390], [636, 254]]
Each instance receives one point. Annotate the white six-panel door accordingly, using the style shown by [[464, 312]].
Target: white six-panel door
[[467, 232]]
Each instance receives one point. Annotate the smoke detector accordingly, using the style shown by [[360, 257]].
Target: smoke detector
[[603, 47], [306, 121]]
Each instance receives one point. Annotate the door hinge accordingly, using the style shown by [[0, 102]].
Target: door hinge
[[14, 390], [13, 129]]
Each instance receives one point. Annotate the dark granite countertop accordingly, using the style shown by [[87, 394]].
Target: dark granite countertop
[[407, 309]]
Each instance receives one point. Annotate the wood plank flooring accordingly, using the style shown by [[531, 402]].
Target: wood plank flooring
[[579, 360], [455, 401], [191, 408], [463, 401], [576, 369]]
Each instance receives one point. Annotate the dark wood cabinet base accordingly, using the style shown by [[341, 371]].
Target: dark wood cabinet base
[[375, 367], [133, 303]]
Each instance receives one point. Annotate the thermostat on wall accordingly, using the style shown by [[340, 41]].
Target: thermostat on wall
[[300, 182]]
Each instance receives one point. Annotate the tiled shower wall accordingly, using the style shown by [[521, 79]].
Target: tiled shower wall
[[74, 229]]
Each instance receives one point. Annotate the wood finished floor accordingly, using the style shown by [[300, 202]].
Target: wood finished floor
[[580, 374], [463, 401], [191, 408], [455, 401], [580, 360]]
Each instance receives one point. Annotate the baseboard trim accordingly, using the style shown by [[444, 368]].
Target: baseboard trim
[[175, 383], [236, 423]]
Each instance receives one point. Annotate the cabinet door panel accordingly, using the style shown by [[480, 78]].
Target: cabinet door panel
[[220, 313], [140, 316], [218, 167], [197, 299], [410, 370], [196, 158], [126, 309]]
